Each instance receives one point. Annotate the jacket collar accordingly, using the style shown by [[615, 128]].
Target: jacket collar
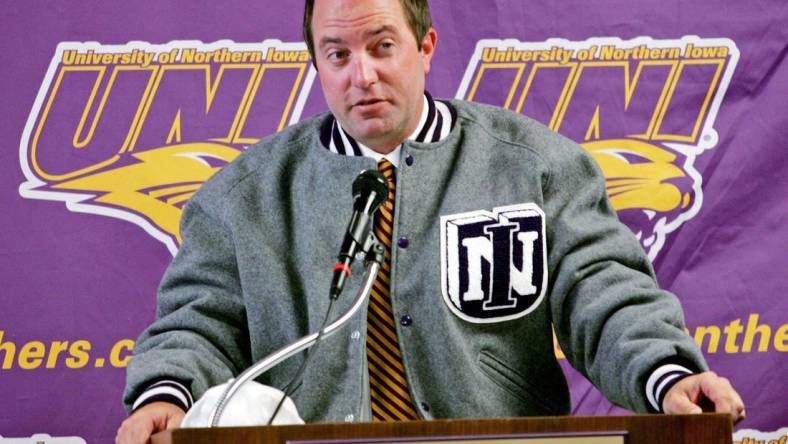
[[437, 120]]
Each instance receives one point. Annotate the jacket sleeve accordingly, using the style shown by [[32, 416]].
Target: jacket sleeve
[[200, 337], [612, 321]]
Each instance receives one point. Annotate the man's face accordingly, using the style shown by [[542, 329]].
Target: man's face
[[371, 69]]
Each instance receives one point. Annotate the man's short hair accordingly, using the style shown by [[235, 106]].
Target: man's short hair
[[417, 12]]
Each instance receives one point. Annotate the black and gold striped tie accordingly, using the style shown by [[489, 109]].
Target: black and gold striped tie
[[390, 397]]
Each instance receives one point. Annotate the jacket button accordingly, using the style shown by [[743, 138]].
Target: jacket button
[[406, 320], [425, 406], [350, 418], [409, 160], [403, 242]]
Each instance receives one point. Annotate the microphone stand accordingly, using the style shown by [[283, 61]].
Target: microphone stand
[[373, 260]]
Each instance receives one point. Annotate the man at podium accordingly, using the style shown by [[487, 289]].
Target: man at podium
[[496, 231]]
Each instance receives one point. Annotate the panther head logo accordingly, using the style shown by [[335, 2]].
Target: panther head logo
[[152, 185], [644, 183]]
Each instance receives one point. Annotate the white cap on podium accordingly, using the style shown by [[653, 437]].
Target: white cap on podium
[[252, 405]]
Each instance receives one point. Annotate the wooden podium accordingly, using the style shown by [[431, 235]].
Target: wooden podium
[[642, 429]]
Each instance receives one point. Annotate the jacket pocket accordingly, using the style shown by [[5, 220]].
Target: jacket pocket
[[514, 383]]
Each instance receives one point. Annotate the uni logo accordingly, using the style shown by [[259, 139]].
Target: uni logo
[[643, 108], [493, 264], [132, 131]]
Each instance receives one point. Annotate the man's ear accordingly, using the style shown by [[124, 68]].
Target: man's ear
[[428, 47]]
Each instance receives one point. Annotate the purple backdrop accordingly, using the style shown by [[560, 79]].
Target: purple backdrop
[[681, 103]]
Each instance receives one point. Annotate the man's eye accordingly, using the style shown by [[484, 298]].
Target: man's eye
[[337, 56], [386, 45]]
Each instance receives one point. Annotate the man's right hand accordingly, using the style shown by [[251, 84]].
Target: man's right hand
[[149, 419]]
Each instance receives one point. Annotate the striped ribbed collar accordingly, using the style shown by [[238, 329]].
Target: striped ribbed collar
[[436, 122]]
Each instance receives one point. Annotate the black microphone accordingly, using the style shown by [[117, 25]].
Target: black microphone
[[369, 191]]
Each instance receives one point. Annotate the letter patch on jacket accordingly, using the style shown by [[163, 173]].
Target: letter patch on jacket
[[493, 263]]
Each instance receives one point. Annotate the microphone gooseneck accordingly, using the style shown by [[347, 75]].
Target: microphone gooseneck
[[369, 190]]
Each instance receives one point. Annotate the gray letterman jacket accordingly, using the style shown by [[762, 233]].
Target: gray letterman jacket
[[260, 238]]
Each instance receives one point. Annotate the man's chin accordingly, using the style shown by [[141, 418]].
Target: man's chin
[[369, 130]]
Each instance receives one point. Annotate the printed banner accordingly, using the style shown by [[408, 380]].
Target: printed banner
[[115, 115]]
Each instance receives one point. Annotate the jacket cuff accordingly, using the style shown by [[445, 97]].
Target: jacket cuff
[[664, 376], [165, 390]]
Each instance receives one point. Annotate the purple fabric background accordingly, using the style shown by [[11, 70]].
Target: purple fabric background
[[70, 276]]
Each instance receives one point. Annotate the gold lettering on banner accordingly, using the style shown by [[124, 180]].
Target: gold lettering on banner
[[643, 108], [146, 125]]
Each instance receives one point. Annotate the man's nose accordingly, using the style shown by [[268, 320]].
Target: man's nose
[[364, 72]]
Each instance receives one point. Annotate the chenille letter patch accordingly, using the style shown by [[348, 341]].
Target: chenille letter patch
[[493, 264]]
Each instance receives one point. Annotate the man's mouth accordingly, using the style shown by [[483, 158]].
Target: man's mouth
[[367, 102]]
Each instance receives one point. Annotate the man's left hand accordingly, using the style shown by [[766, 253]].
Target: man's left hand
[[704, 392]]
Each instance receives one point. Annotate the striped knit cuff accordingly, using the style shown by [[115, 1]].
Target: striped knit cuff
[[660, 382], [170, 391]]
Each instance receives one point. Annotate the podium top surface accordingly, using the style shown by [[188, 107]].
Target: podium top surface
[[639, 429]]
